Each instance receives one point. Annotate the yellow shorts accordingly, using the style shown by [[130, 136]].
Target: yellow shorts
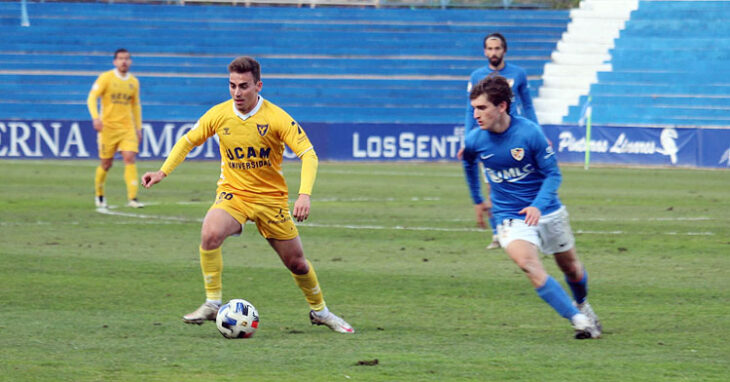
[[112, 140], [272, 217]]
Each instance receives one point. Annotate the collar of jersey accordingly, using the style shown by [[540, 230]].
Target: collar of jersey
[[123, 77], [250, 113]]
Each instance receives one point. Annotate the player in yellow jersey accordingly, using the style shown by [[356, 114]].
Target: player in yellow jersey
[[252, 133], [119, 128]]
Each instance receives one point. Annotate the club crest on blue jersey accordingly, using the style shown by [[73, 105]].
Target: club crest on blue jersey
[[517, 153], [263, 129]]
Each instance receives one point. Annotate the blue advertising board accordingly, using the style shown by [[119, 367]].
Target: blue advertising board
[[692, 147]]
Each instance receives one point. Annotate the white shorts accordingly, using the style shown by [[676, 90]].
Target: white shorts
[[551, 235]]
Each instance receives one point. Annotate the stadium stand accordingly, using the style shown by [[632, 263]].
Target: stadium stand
[[327, 64], [581, 53], [669, 66]]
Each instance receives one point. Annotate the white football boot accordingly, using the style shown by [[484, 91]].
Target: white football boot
[[331, 321], [495, 243], [584, 327], [586, 309], [100, 201], [134, 203], [206, 312]]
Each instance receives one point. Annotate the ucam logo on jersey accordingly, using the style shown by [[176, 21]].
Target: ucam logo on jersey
[[513, 174]]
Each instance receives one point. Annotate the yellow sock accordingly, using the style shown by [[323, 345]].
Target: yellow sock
[[99, 181], [130, 177], [310, 286], [211, 263]]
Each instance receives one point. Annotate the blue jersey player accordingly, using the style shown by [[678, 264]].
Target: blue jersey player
[[523, 173], [495, 48]]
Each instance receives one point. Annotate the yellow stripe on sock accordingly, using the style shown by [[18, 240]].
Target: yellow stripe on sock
[[310, 287], [99, 180], [131, 179], [211, 263]]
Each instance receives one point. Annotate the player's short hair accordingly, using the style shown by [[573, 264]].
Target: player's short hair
[[497, 36], [120, 50], [245, 64], [496, 88]]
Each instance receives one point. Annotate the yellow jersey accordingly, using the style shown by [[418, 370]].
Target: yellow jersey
[[120, 106], [252, 148]]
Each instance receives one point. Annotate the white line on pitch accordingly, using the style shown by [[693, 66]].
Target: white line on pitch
[[380, 227]]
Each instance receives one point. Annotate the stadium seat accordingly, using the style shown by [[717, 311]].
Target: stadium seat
[[669, 67], [328, 64]]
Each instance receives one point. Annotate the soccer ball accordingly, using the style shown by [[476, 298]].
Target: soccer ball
[[237, 319]]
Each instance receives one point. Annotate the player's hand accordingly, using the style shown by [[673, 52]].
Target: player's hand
[[98, 125], [152, 178], [480, 209], [460, 154], [532, 215], [301, 208]]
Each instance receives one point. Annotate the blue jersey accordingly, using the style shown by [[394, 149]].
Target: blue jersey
[[521, 102], [519, 165]]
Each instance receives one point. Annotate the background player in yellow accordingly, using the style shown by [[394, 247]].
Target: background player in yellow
[[252, 133], [119, 128]]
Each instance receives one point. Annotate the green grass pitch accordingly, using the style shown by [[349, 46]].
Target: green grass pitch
[[86, 296]]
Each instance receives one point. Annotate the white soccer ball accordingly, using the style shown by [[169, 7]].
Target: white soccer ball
[[237, 319]]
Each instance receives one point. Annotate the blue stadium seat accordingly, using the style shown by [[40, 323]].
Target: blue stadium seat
[[322, 65], [670, 67]]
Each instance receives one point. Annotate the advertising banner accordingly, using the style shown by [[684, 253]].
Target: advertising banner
[[693, 147]]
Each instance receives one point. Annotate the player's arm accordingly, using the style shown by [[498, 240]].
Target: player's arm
[[547, 164], [91, 102], [294, 136], [471, 173], [202, 130], [527, 106], [310, 162], [469, 121], [177, 155], [137, 113]]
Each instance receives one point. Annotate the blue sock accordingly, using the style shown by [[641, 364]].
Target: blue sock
[[579, 288], [493, 224], [556, 297]]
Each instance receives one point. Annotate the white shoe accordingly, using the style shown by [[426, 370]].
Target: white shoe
[[206, 312], [100, 201], [584, 327], [586, 309], [134, 203], [331, 321], [495, 243]]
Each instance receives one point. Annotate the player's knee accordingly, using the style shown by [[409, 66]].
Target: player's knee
[[574, 271], [210, 239], [297, 265]]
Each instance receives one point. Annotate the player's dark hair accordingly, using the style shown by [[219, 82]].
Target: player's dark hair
[[499, 36], [496, 88], [245, 64], [120, 50]]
